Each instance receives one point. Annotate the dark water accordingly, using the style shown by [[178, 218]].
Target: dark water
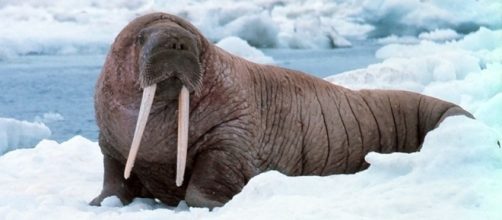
[[33, 85]]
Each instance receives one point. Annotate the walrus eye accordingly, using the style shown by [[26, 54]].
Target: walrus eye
[[140, 38]]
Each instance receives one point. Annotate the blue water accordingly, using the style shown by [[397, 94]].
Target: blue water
[[323, 63], [36, 84]]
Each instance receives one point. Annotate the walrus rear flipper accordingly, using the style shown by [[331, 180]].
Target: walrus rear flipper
[[404, 118], [454, 111], [433, 111]]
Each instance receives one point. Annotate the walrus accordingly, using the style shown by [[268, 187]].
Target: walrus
[[181, 119]]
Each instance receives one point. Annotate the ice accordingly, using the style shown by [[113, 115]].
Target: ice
[[258, 30], [241, 48], [49, 117], [466, 72], [76, 27], [449, 179], [112, 201], [490, 111], [394, 39], [445, 49], [16, 134], [455, 176], [439, 35], [410, 17]]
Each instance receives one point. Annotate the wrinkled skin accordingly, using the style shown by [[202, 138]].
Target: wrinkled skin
[[245, 118]]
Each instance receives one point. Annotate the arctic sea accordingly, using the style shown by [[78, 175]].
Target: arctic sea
[[58, 89]]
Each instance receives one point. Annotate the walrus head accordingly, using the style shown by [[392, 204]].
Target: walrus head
[[169, 54], [169, 58]]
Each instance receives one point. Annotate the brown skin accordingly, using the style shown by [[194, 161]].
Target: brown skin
[[245, 118]]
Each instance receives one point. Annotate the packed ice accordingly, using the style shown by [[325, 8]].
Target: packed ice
[[444, 49], [467, 72], [72, 26]]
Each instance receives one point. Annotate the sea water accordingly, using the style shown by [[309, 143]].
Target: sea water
[[58, 89]]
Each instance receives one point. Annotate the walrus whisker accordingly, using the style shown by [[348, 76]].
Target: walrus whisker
[[144, 111], [183, 111]]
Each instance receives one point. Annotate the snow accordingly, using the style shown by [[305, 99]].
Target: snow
[[75, 27], [241, 48], [449, 179], [16, 134], [466, 72], [455, 176]]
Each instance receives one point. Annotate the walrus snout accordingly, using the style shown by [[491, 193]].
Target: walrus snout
[[166, 51]]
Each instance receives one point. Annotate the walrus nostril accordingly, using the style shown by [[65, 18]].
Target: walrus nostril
[[175, 44]]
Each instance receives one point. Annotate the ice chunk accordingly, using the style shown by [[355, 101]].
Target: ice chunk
[[49, 117], [16, 134], [439, 35], [241, 48], [258, 30]]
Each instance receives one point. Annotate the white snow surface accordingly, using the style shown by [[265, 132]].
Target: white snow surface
[[74, 26], [16, 134], [456, 175]]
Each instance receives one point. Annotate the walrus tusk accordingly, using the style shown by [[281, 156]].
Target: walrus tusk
[[144, 111], [184, 103]]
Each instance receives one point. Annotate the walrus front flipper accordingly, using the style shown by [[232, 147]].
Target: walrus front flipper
[[217, 176], [114, 183]]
